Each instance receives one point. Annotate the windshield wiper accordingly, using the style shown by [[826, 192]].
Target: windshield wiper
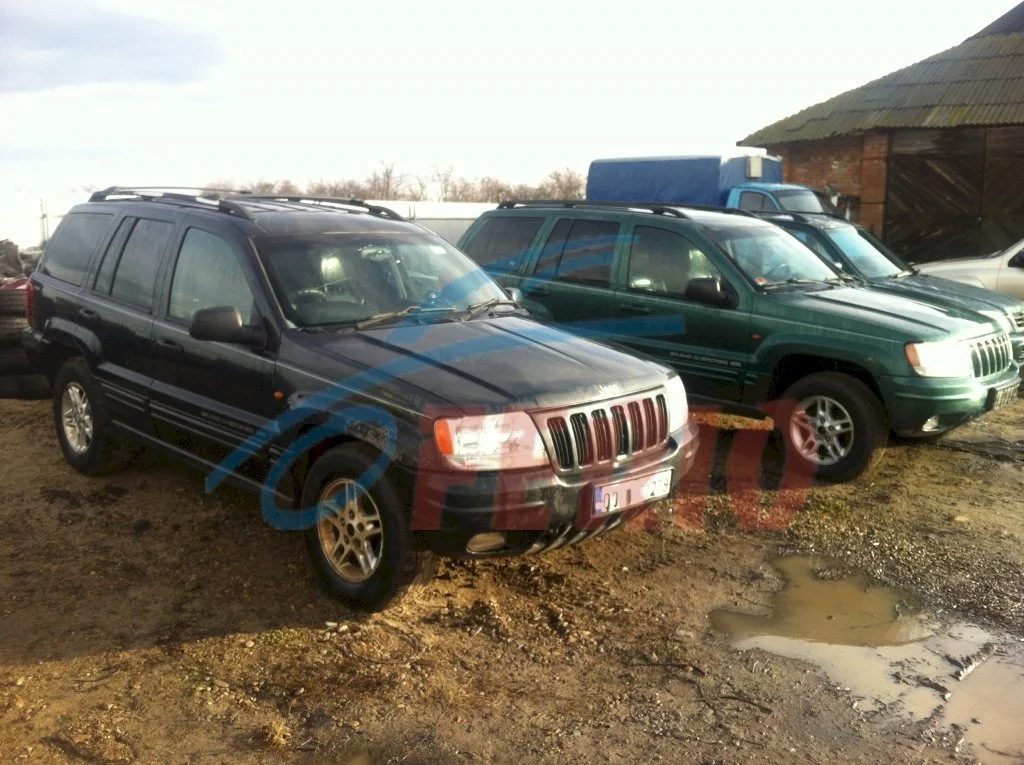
[[380, 318], [478, 308], [795, 280]]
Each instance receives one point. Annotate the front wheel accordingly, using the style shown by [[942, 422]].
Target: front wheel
[[834, 426], [361, 545]]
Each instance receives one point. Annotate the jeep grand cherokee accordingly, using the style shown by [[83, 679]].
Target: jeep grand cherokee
[[374, 385]]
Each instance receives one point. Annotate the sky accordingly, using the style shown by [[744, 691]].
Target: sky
[[96, 93]]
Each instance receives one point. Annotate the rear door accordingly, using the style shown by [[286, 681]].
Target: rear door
[[208, 397], [572, 274], [118, 311], [711, 348]]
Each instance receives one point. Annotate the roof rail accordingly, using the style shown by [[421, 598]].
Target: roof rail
[[384, 212], [658, 208], [209, 199], [797, 217], [719, 209]]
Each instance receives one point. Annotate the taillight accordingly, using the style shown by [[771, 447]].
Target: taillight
[[28, 304]]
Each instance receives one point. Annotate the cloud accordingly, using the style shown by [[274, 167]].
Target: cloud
[[57, 43]]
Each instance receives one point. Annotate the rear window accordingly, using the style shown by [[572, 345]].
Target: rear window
[[68, 253], [502, 242]]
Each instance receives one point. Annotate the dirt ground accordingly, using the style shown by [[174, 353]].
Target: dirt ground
[[144, 621]]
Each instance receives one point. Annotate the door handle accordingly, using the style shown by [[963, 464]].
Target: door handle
[[169, 345], [88, 314], [633, 308], [538, 292]]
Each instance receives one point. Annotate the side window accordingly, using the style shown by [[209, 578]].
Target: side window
[[135, 275], [501, 243], [807, 238], [664, 262], [754, 201], [69, 251], [207, 275], [547, 264], [105, 273], [586, 254]]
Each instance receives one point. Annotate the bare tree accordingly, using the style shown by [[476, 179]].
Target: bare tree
[[563, 184]]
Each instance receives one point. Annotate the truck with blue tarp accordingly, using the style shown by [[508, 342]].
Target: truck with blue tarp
[[751, 182]]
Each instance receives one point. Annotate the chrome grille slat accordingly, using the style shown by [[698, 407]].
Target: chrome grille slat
[[609, 431], [990, 355]]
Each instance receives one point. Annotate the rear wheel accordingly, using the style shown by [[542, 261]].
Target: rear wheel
[[835, 426], [81, 420], [361, 546]]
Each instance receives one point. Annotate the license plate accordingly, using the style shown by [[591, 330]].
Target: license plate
[[623, 495], [1004, 396]]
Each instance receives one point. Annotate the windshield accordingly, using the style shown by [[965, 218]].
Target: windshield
[[862, 256], [802, 200], [768, 254], [342, 278]]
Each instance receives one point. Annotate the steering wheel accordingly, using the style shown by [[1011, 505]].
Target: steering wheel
[[309, 295]]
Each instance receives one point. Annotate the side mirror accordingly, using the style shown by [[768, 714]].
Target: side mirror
[[515, 294], [223, 324], [711, 291]]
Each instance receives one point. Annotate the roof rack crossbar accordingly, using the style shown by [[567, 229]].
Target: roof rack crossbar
[[384, 212], [658, 208]]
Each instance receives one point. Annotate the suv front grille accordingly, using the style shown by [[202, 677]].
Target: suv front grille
[[619, 429], [990, 355]]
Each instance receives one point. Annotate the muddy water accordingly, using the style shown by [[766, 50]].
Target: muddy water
[[893, 657]]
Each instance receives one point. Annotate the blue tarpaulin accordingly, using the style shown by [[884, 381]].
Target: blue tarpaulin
[[703, 180]]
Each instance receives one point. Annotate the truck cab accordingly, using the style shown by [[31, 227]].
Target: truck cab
[[779, 197]]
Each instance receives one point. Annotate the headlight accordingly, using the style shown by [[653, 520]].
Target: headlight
[[946, 358], [490, 442], [678, 409]]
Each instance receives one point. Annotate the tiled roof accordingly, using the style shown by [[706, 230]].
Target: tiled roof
[[978, 83]]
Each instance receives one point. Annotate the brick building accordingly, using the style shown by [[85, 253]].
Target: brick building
[[930, 154]]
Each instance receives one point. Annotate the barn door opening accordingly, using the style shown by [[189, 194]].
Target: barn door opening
[[933, 206]]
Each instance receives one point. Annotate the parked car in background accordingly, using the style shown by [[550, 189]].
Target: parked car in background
[[852, 248], [765, 320], [376, 386], [1001, 271]]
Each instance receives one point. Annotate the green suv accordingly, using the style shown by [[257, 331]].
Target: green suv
[[759, 319], [852, 249]]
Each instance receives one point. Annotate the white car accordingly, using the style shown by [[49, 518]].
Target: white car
[[1001, 271]]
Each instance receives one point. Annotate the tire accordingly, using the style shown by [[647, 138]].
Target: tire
[[97, 456], [29, 387], [13, 360], [12, 303], [845, 399], [10, 327], [400, 563]]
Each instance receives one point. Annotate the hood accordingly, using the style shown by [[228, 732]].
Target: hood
[[953, 265], [506, 361], [947, 293], [892, 316]]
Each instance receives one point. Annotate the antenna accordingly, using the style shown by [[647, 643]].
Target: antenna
[[44, 222]]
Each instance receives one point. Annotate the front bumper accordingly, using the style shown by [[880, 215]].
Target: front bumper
[[913, 401], [536, 510]]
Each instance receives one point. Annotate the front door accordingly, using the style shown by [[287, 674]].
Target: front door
[[711, 347], [210, 396]]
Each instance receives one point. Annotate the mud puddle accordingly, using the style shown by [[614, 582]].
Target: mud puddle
[[894, 658]]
